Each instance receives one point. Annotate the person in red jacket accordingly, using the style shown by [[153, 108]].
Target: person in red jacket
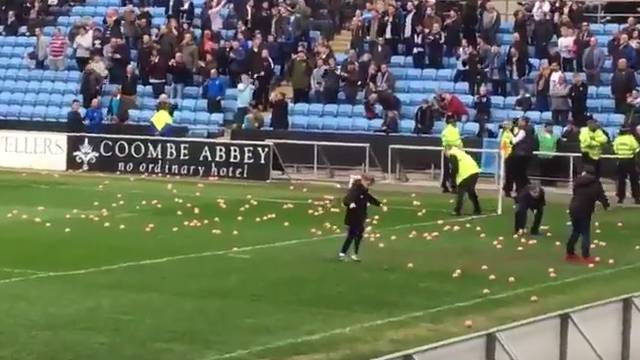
[[451, 104]]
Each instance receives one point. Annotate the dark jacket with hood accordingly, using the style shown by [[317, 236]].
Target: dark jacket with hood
[[525, 199], [358, 195], [587, 189]]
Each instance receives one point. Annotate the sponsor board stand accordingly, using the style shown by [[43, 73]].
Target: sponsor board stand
[[123, 154], [33, 150]]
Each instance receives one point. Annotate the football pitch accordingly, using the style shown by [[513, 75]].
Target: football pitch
[[96, 267]]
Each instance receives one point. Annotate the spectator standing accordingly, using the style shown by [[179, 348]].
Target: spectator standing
[[57, 51], [130, 28], [462, 63], [120, 59], [435, 46], [93, 117], [180, 76], [566, 47], [470, 22], [90, 86], [520, 25], [385, 81], [263, 77], [114, 109], [560, 105], [144, 58], [190, 53], [543, 85], [578, 94], [351, 81], [381, 53], [279, 111], [517, 68], [40, 49], [300, 71], [482, 104], [83, 43], [157, 71], [74, 118], [317, 81], [215, 91], [542, 35], [430, 18], [497, 72], [129, 90], [452, 28], [409, 28], [490, 23], [592, 61], [331, 83], [583, 39], [245, 88], [12, 26], [622, 84], [418, 44], [627, 52], [391, 27], [253, 120]]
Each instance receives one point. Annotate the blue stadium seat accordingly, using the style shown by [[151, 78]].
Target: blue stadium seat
[[615, 120], [25, 112], [191, 92], [375, 124], [461, 88], [414, 74], [417, 87], [345, 110], [134, 115], [445, 86], [612, 132], [11, 74], [201, 105], [397, 61], [594, 105], [299, 122], [4, 108], [509, 102], [604, 92], [610, 29], [16, 98], [545, 117], [148, 103], [314, 123], [592, 92], [229, 105], [467, 100], [515, 114], [60, 76], [499, 115], [299, 109], [216, 119], [329, 123], [399, 73], [330, 110], [407, 112], [470, 129], [358, 110], [429, 74], [315, 109], [359, 124], [43, 86], [431, 86], [438, 126], [344, 123], [406, 126], [607, 105], [39, 113], [597, 29], [534, 116], [402, 86], [444, 75], [201, 118], [4, 97], [188, 105], [12, 111]]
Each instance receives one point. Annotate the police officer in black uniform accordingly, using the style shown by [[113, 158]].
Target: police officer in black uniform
[[356, 202], [531, 197], [524, 143]]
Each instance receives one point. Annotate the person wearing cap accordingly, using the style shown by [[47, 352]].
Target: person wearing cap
[[465, 171], [506, 147], [587, 189], [356, 202], [531, 197], [626, 147], [450, 139], [523, 146], [592, 140]]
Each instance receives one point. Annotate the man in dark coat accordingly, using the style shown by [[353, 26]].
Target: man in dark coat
[[578, 95], [523, 147], [531, 197], [424, 118], [90, 86], [356, 202], [381, 53], [74, 118], [622, 83], [587, 189]]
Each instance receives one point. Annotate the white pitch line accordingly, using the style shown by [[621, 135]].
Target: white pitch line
[[415, 314], [217, 252], [22, 271], [241, 256]]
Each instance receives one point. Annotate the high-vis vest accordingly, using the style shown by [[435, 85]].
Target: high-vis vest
[[547, 143], [591, 142], [626, 146], [451, 137], [466, 165], [506, 142]]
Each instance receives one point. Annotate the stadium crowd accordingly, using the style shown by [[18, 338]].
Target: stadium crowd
[[271, 43]]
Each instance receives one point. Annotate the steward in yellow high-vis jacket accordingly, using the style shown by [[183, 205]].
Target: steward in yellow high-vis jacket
[[450, 139], [465, 171], [161, 122], [626, 147], [506, 147], [592, 140]]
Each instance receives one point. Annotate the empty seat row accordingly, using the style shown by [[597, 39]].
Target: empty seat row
[[31, 88], [39, 75]]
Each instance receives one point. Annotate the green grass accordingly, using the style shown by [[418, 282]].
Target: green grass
[[281, 294]]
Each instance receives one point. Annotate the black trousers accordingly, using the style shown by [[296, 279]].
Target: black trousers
[[580, 227], [354, 235], [595, 163], [448, 183], [499, 87], [214, 106], [520, 165], [627, 169], [507, 187], [548, 170], [468, 186], [521, 219], [300, 95]]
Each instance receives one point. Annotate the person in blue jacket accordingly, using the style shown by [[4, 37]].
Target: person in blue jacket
[[93, 118], [215, 92]]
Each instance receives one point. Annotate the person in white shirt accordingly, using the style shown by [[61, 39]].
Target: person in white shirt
[[566, 47], [83, 44], [556, 73]]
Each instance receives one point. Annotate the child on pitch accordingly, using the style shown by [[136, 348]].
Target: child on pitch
[[356, 202]]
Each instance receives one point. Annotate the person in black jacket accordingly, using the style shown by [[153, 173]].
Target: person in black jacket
[[435, 44], [74, 118], [279, 111], [356, 202], [425, 118], [531, 197], [522, 151], [587, 189], [578, 95]]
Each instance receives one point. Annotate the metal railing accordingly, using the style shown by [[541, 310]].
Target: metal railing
[[601, 330]]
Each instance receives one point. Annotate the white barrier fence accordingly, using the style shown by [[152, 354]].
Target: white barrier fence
[[606, 330]]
